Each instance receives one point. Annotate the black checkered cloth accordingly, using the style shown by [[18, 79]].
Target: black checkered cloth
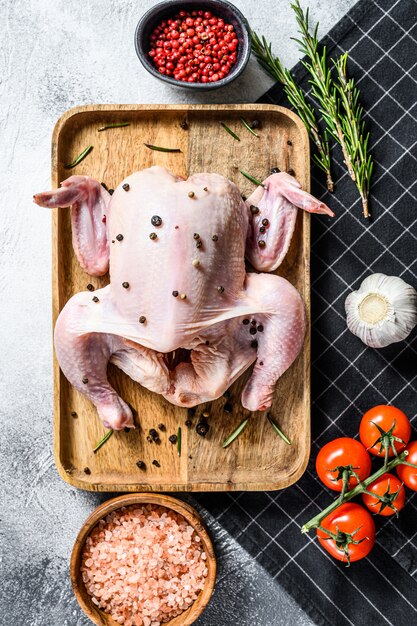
[[347, 377]]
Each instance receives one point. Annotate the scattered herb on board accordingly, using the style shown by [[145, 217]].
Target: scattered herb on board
[[339, 104], [295, 95], [229, 130], [246, 125], [119, 125], [235, 434], [252, 179], [277, 429], [79, 158], [103, 441], [161, 149], [179, 441]]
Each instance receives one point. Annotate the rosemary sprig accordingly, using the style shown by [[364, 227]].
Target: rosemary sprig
[[252, 179], [103, 441], [246, 125], [277, 429], [118, 125], [229, 130], [353, 127], [274, 67], [235, 433], [179, 441], [79, 158], [338, 103], [161, 149]]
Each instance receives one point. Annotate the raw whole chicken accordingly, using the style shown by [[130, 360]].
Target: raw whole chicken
[[181, 315]]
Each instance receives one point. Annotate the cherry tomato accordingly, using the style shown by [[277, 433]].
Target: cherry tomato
[[339, 455], [387, 418], [353, 530], [408, 474], [390, 488]]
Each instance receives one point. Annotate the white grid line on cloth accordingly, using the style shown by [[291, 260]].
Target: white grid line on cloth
[[350, 212], [388, 581], [311, 579], [364, 349], [385, 53], [367, 266], [405, 544], [388, 14]]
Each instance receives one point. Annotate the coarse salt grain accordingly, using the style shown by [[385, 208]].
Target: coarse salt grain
[[133, 575]]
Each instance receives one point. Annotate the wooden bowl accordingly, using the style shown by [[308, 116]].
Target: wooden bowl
[[84, 599]]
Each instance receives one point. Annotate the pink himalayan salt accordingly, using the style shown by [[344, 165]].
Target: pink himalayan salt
[[143, 565]]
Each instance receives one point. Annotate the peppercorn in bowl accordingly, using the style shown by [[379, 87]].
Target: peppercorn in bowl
[[196, 45], [143, 560]]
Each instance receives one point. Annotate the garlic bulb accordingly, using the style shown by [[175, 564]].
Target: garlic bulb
[[382, 311]]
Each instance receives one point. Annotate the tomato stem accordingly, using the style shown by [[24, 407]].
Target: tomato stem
[[356, 491]]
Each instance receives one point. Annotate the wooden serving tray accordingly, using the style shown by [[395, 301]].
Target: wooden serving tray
[[258, 459]]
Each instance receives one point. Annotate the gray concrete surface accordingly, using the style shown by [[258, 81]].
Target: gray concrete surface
[[54, 55]]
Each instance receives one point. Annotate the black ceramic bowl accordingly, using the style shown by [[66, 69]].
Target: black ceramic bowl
[[166, 10]]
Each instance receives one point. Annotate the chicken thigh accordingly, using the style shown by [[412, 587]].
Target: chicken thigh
[[181, 315]]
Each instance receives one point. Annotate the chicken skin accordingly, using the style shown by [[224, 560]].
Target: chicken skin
[[181, 315]]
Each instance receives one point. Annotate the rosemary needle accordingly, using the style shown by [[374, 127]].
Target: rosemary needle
[[79, 158], [103, 441], [277, 430], [119, 125], [179, 441], [161, 149], [246, 125], [229, 130], [253, 180], [235, 433]]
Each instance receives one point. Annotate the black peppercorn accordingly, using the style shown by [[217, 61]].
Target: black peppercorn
[[255, 124], [85, 381], [90, 287], [125, 285], [261, 243], [275, 170], [142, 319], [228, 407], [215, 238], [172, 439], [126, 187], [199, 243], [220, 289], [111, 191], [262, 229], [153, 236], [265, 222], [153, 433], [156, 220], [119, 237], [140, 464], [245, 321], [196, 236], [202, 429], [289, 143], [243, 197], [156, 463], [188, 423], [260, 328], [291, 172], [254, 209], [126, 429], [73, 414], [95, 299], [253, 322], [254, 344], [227, 394], [175, 294], [87, 470], [161, 427], [253, 330]]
